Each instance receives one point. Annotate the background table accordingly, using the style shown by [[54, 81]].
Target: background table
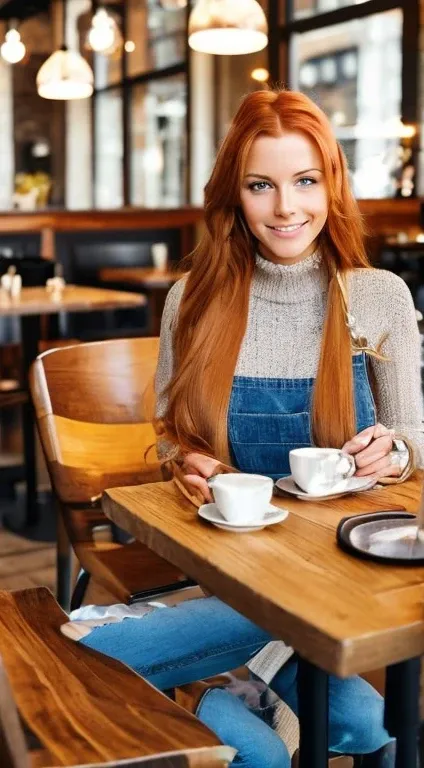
[[341, 614], [29, 306], [156, 281]]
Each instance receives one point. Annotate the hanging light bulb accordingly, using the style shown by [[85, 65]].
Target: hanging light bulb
[[173, 5], [227, 27], [103, 32], [13, 49]]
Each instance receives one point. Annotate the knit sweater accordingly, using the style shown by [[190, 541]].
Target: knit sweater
[[283, 337]]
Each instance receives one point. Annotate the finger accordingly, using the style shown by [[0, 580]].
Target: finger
[[379, 448], [380, 430], [380, 468], [200, 484], [365, 438], [360, 441], [203, 465]]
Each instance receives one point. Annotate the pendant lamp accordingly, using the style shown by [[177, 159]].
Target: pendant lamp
[[65, 75], [227, 27], [13, 49]]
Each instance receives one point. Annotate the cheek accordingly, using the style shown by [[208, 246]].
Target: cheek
[[319, 208], [256, 208]]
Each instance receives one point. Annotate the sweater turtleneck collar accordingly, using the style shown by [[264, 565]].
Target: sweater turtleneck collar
[[291, 283]]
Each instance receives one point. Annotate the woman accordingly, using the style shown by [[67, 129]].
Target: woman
[[280, 336]]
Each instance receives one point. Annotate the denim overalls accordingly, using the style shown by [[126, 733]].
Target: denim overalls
[[269, 417]]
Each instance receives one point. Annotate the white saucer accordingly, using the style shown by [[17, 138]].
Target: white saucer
[[350, 485], [211, 513]]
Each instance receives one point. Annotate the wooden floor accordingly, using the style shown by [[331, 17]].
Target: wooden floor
[[26, 563]]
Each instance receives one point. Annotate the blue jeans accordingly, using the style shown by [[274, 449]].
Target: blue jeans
[[200, 638]]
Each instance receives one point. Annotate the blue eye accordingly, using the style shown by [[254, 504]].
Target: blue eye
[[259, 186], [306, 181]]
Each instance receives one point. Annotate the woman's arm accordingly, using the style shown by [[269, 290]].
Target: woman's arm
[[397, 382], [165, 366]]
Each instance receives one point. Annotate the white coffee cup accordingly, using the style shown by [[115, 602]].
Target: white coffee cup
[[319, 470], [160, 256], [241, 497]]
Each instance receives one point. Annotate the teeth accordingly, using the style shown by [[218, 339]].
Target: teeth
[[291, 228]]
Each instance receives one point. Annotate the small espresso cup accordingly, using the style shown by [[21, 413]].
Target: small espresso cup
[[241, 497], [319, 470]]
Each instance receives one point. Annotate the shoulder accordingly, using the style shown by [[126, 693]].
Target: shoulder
[[173, 301], [380, 286]]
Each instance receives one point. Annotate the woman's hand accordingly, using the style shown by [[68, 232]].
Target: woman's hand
[[196, 469], [372, 448]]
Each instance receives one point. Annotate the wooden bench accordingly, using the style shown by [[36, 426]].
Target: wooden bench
[[79, 707]]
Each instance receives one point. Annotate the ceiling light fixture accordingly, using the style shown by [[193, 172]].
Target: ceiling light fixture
[[227, 27], [173, 5], [103, 33], [13, 49], [65, 75], [260, 74]]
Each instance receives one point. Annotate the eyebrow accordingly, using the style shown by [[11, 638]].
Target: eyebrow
[[268, 178]]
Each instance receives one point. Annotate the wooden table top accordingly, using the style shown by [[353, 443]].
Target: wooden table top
[[74, 298], [344, 614], [143, 276]]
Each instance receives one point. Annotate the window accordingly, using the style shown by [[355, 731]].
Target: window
[[108, 176], [163, 42], [306, 8], [158, 143], [346, 68]]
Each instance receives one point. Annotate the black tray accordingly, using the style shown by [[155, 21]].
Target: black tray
[[348, 525]]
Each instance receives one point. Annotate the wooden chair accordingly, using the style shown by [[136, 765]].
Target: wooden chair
[[90, 406], [79, 707]]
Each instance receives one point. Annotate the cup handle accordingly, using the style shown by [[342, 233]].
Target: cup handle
[[352, 465]]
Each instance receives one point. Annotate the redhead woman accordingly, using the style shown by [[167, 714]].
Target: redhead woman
[[281, 336]]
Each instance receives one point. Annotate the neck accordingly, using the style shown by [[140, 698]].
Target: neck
[[290, 283]]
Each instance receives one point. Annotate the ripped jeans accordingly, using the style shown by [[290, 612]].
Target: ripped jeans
[[200, 638]]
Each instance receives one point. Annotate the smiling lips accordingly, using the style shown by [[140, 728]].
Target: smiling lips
[[290, 229]]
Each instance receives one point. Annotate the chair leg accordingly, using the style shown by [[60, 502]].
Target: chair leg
[[63, 565], [80, 590], [357, 761]]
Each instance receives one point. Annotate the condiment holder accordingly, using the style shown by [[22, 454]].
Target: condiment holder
[[56, 285], [11, 283]]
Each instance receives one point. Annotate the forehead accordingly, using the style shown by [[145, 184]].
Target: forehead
[[283, 155]]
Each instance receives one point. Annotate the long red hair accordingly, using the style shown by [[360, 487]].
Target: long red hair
[[214, 308]]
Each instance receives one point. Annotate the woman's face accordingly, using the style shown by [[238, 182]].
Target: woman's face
[[284, 196]]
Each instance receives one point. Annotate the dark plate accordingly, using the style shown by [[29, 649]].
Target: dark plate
[[356, 535]]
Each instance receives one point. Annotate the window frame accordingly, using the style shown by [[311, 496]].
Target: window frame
[[280, 36], [126, 83]]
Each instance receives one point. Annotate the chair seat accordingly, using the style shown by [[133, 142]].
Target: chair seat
[[125, 569], [82, 706]]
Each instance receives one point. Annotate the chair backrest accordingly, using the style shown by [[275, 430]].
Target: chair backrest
[[94, 424], [84, 708], [13, 750]]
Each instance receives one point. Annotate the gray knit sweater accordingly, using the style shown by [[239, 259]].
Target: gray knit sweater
[[283, 336], [282, 340]]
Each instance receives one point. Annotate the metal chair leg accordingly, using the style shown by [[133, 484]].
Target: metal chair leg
[[80, 590]]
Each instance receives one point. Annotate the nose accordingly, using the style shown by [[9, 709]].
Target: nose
[[284, 202]]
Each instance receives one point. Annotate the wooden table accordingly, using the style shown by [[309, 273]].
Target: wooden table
[[29, 306], [342, 615], [156, 282]]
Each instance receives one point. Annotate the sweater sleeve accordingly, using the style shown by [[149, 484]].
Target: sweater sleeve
[[165, 365], [397, 382]]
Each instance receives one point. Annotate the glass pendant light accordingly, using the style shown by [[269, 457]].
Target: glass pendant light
[[13, 49], [173, 5], [227, 27], [103, 33], [65, 75]]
